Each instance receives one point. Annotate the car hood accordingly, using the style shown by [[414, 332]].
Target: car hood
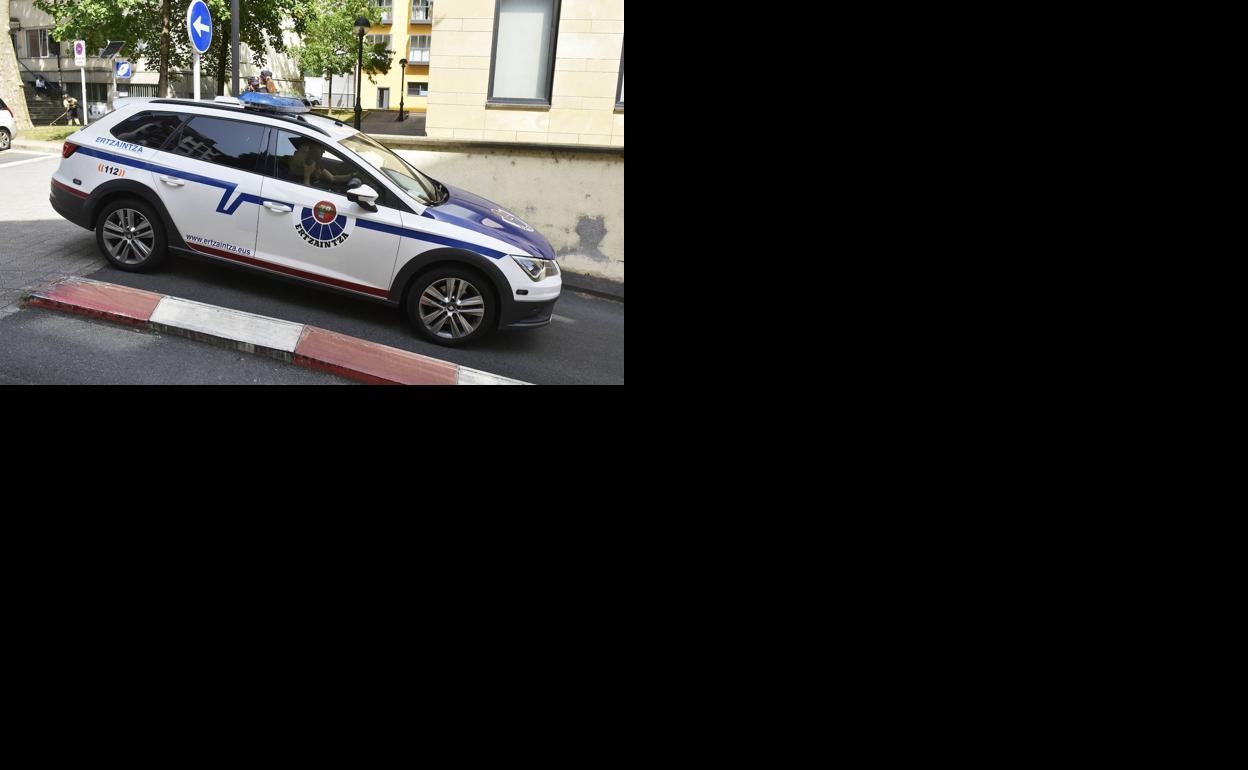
[[483, 216]]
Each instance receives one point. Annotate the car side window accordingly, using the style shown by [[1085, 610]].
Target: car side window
[[305, 161], [147, 129], [229, 143]]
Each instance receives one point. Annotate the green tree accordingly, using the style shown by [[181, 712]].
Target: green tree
[[329, 45], [260, 28], [149, 28]]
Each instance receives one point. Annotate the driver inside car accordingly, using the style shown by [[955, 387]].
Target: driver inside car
[[308, 165]]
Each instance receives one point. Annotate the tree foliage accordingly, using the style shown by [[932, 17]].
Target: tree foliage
[[329, 43], [141, 22]]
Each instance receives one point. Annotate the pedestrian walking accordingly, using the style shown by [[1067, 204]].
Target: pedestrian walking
[[71, 110]]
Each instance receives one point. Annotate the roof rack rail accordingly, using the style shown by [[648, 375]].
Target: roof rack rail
[[237, 109]]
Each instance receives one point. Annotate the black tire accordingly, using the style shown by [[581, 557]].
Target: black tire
[[6, 141], [448, 328], [131, 259]]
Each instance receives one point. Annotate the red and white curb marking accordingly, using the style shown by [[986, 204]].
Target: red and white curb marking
[[297, 343]]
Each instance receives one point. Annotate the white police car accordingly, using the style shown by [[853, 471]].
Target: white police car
[[260, 182]]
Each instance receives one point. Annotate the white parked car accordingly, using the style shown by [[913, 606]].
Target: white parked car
[[262, 183], [8, 127]]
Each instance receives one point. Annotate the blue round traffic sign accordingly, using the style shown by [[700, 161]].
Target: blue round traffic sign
[[123, 69], [199, 25]]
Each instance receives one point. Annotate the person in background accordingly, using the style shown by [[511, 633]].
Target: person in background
[[253, 84], [266, 82], [71, 110]]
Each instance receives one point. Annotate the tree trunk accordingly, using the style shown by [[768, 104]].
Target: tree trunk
[[223, 63], [10, 74], [162, 86]]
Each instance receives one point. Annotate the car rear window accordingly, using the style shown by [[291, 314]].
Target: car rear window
[[148, 129], [3, 106], [224, 142]]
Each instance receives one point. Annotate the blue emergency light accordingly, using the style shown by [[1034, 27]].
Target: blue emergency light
[[273, 103]]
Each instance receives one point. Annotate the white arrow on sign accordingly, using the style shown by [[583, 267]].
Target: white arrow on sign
[[200, 26]]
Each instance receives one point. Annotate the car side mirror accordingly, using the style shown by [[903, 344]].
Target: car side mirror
[[365, 196]]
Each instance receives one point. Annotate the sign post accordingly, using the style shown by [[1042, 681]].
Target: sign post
[[80, 61], [199, 29]]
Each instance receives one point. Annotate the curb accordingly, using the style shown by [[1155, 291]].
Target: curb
[[31, 144], [294, 343], [602, 287]]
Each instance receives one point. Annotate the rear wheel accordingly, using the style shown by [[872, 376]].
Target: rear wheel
[[5, 139], [452, 306], [131, 236]]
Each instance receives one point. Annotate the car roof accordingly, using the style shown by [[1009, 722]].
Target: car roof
[[326, 126]]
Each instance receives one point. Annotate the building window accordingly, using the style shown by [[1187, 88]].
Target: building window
[[387, 10], [375, 39], [417, 89], [523, 66], [38, 44], [420, 11], [418, 49]]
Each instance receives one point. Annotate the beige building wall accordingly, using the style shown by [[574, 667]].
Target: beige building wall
[[587, 66]]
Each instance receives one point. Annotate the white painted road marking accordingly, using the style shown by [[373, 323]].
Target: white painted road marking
[[233, 325], [28, 160]]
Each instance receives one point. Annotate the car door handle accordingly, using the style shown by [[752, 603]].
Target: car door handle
[[172, 181], [278, 207]]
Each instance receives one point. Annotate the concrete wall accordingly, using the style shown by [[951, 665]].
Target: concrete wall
[[582, 110], [572, 196]]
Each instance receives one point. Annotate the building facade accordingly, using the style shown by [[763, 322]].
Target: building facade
[[547, 71], [40, 56], [405, 29]]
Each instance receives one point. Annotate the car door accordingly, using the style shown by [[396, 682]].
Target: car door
[[210, 183], [309, 228]]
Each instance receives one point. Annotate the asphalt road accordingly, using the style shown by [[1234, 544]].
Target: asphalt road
[[47, 347], [583, 345]]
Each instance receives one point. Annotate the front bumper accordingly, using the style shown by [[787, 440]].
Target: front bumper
[[526, 315]]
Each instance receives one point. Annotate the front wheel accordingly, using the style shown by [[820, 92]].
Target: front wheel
[[5, 139], [131, 236], [451, 306]]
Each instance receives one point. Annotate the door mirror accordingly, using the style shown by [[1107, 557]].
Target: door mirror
[[365, 196]]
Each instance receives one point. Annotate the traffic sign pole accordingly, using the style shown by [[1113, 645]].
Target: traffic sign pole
[[80, 58], [199, 30]]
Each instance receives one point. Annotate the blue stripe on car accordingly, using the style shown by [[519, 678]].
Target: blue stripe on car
[[230, 187]]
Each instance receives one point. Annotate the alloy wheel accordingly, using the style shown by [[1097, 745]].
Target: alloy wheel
[[452, 308], [129, 237]]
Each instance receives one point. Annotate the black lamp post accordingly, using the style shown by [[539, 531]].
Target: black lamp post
[[362, 25], [402, 89]]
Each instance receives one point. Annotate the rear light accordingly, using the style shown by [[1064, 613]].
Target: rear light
[[68, 149]]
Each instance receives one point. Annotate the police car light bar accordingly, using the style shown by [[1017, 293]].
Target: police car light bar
[[274, 103]]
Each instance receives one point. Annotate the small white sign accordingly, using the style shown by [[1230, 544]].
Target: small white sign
[[80, 53]]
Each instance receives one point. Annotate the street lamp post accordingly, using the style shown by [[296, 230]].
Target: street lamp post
[[402, 89], [362, 25]]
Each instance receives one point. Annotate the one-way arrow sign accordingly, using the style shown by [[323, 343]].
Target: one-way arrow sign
[[199, 25]]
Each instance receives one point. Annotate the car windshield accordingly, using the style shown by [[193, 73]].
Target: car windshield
[[416, 184]]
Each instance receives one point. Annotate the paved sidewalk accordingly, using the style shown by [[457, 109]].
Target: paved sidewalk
[[36, 244], [382, 122]]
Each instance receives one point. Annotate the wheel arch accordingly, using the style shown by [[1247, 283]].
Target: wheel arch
[[108, 192], [436, 258]]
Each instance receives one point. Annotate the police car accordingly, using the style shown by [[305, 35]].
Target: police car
[[262, 183]]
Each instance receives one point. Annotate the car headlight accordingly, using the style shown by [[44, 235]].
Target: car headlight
[[537, 269]]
